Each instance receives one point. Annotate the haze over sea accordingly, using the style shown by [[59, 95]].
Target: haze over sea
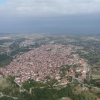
[[50, 16]]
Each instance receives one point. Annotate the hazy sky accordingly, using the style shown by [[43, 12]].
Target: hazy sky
[[50, 16]]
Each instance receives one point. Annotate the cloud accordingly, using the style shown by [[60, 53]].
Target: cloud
[[67, 16], [42, 8], [67, 24]]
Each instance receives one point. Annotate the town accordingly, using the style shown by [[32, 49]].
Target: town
[[64, 66], [44, 61]]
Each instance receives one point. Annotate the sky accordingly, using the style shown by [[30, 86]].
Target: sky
[[50, 16], [2, 2]]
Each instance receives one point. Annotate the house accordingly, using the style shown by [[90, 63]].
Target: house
[[81, 69], [64, 81], [71, 74], [81, 77], [98, 98], [57, 76]]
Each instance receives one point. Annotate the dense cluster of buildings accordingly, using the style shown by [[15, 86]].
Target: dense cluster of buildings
[[42, 62]]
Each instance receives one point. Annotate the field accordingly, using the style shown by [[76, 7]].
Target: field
[[95, 76], [95, 73], [65, 98], [3, 82]]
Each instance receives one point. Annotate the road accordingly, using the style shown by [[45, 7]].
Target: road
[[2, 95]]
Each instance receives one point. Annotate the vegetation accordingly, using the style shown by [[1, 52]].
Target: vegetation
[[4, 41], [31, 83], [87, 48], [95, 82], [5, 59], [53, 94], [6, 98]]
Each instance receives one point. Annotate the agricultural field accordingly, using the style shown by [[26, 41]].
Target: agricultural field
[[3, 83], [95, 73]]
